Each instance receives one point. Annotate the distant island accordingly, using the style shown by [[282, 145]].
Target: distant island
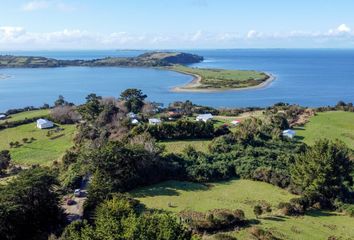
[[205, 80]]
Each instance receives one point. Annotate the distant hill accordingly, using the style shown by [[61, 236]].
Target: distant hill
[[150, 59]]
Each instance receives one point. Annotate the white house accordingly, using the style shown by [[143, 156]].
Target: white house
[[44, 123], [154, 121], [288, 133], [132, 115], [134, 121], [2, 116], [204, 117], [235, 122]]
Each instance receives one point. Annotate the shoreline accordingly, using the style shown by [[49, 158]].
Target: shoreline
[[3, 76], [196, 81]]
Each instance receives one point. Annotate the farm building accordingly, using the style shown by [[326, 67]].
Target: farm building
[[204, 117], [154, 121], [134, 121], [289, 133], [44, 123], [132, 115]]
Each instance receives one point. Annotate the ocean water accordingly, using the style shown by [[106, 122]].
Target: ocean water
[[311, 77]]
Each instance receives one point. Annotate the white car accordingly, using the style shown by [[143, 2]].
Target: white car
[[77, 193]]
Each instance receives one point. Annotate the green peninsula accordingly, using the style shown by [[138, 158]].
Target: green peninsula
[[208, 79]]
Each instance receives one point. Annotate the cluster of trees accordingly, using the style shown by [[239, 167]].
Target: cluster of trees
[[5, 160], [181, 129], [29, 206], [119, 218], [64, 112], [213, 220], [342, 106]]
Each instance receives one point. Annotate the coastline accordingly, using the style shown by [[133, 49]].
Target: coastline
[[196, 81], [3, 76]]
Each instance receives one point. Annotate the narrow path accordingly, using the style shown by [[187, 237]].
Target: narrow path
[[75, 211]]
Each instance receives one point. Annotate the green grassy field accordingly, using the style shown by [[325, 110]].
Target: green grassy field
[[224, 79], [27, 114], [244, 194], [331, 125], [43, 150], [179, 146]]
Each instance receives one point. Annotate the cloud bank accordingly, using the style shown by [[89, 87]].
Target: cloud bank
[[12, 37]]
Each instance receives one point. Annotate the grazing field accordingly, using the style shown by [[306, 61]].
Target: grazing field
[[179, 145], [176, 196], [222, 79], [42, 150], [331, 125], [27, 114]]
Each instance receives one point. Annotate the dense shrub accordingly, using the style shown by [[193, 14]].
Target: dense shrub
[[217, 219], [324, 171], [182, 129], [261, 234], [119, 218]]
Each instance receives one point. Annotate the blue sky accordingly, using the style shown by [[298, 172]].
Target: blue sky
[[111, 24]]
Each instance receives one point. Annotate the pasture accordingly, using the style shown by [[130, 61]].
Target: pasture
[[175, 196], [332, 125], [42, 149]]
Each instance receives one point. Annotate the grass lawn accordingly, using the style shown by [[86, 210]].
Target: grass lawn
[[43, 150], [224, 79], [244, 194], [331, 125], [27, 114], [179, 145]]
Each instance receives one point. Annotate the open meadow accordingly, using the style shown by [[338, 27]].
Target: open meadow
[[26, 114], [42, 149], [175, 196], [331, 125]]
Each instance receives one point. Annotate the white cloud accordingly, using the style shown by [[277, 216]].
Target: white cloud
[[197, 36], [343, 28], [46, 4], [254, 34], [8, 32], [18, 38], [35, 5]]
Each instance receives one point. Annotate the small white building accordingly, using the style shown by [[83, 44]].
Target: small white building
[[154, 121], [132, 115], [235, 122], [289, 133], [44, 123], [134, 121], [2, 116], [204, 117]]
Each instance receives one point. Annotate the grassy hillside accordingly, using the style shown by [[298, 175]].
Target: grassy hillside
[[179, 145], [244, 194], [224, 79], [329, 125], [27, 114], [43, 150]]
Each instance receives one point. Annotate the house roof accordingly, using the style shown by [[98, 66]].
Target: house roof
[[289, 131], [43, 121], [154, 120], [207, 115]]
